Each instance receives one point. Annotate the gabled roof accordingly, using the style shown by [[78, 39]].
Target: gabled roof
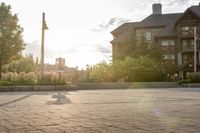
[[153, 20], [124, 27], [168, 31], [121, 38], [196, 10], [159, 20], [167, 21]]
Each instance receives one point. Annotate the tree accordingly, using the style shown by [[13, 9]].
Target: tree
[[101, 72], [156, 52], [169, 68], [75, 75], [141, 49], [25, 64], [142, 68], [126, 49], [151, 50], [11, 41]]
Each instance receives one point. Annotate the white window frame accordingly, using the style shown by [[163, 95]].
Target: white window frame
[[148, 35], [168, 43]]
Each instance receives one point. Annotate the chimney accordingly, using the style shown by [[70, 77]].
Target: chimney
[[157, 8]]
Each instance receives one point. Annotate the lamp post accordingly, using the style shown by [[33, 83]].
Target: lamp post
[[44, 27], [195, 50]]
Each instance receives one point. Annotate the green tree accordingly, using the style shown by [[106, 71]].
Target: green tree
[[126, 49], [141, 49], [119, 70], [152, 50], [101, 72], [11, 42], [75, 75], [25, 64], [142, 68], [156, 52], [169, 68]]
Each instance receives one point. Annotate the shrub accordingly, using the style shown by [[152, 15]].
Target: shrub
[[52, 79], [30, 78], [5, 83], [21, 78], [194, 79]]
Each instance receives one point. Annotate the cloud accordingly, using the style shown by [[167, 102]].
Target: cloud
[[73, 49], [111, 22], [34, 48], [93, 48], [103, 50], [76, 48], [175, 2]]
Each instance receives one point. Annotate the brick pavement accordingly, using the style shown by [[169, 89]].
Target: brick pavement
[[101, 111]]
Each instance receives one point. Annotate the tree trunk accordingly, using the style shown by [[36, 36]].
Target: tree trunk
[[0, 71]]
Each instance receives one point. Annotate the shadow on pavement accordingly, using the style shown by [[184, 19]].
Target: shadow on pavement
[[16, 100], [60, 99]]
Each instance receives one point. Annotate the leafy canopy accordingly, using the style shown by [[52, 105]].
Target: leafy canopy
[[11, 41]]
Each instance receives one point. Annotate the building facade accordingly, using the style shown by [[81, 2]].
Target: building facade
[[59, 69], [176, 34]]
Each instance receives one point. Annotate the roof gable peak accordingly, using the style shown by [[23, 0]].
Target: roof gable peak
[[193, 9]]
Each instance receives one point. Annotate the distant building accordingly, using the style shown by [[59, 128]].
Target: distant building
[[174, 33], [59, 69], [60, 61]]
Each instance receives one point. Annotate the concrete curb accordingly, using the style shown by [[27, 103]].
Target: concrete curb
[[91, 86], [126, 85], [37, 88], [191, 85]]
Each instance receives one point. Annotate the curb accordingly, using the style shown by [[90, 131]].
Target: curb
[[37, 88], [92, 86]]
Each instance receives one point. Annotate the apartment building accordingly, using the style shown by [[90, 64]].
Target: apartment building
[[177, 34]]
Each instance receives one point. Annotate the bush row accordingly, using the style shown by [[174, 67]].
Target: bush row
[[30, 78]]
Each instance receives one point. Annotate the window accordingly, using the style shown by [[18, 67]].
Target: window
[[179, 59], [148, 36], [187, 45], [187, 30], [187, 58], [168, 43], [169, 57]]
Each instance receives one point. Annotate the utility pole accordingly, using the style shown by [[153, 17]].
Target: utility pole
[[195, 50], [44, 27]]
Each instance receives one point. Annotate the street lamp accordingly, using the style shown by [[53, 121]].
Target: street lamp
[[195, 50], [44, 27]]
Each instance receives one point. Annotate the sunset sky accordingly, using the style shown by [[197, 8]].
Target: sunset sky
[[79, 30]]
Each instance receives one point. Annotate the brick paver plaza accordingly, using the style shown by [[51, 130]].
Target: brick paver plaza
[[101, 111]]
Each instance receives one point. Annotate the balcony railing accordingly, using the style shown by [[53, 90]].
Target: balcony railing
[[188, 31], [190, 49]]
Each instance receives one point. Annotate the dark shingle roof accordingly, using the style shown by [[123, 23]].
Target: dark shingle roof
[[121, 38], [168, 31], [153, 20], [124, 27], [158, 20], [167, 21], [196, 10]]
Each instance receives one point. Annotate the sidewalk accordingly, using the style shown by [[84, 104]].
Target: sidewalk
[[101, 111]]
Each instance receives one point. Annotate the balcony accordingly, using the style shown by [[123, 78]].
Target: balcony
[[189, 66], [190, 49], [187, 31], [168, 49]]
